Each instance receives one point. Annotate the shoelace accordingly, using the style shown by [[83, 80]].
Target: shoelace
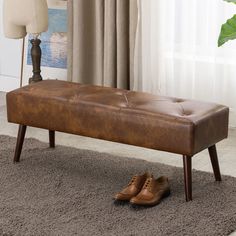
[[147, 184], [132, 180]]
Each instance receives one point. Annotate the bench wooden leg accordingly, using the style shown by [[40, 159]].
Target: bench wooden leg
[[187, 160], [52, 139], [214, 162], [19, 143]]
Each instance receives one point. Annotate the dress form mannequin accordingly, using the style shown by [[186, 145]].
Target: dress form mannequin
[[27, 16], [24, 16]]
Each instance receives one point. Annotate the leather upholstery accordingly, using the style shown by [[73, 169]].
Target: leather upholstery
[[168, 124]]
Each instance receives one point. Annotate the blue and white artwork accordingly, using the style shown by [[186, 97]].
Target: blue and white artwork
[[54, 41]]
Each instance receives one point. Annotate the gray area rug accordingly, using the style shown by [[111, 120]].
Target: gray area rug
[[68, 191]]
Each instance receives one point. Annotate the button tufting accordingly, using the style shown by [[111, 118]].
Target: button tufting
[[187, 113], [178, 101]]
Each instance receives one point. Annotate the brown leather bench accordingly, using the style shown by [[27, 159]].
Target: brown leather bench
[[174, 125]]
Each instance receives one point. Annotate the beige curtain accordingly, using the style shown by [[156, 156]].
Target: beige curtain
[[101, 42]]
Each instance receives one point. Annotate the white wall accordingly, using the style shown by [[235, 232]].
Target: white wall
[[10, 60]]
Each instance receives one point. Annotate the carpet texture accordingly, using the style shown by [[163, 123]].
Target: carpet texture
[[68, 191]]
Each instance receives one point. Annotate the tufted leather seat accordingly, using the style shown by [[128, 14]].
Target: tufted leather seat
[[168, 124]]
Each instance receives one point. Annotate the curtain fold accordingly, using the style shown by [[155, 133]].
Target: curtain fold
[[101, 39]]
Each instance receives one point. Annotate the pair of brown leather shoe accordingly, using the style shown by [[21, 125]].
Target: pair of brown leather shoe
[[145, 190]]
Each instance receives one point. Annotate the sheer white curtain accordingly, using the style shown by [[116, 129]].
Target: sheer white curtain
[[177, 53]]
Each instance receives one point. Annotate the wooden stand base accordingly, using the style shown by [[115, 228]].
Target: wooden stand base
[[36, 54]]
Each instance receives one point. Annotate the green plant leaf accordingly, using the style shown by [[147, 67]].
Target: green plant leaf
[[228, 31], [233, 1]]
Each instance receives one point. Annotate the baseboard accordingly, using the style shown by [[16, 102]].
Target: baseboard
[[8, 83], [232, 118]]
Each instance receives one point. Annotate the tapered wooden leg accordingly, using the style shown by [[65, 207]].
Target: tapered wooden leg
[[188, 177], [214, 162], [19, 143], [52, 138]]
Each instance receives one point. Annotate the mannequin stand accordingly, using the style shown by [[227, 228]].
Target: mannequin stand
[[36, 54]]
